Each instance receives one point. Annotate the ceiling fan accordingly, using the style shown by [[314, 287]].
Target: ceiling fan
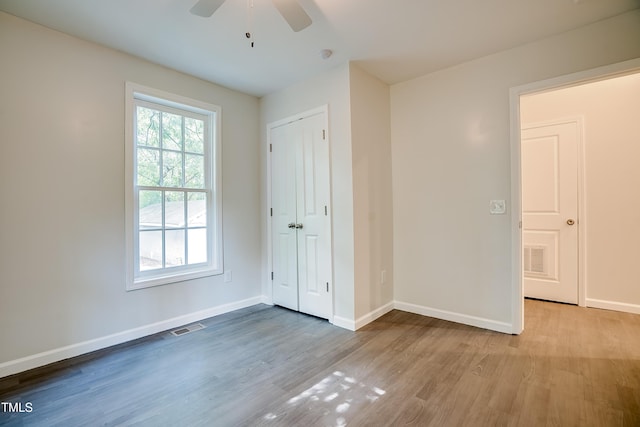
[[290, 10]]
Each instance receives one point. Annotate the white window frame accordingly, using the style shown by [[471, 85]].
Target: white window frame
[[135, 279]]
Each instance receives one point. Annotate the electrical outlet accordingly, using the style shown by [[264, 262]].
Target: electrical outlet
[[227, 276]]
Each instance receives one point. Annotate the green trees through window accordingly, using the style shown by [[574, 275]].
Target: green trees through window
[[173, 204], [171, 187]]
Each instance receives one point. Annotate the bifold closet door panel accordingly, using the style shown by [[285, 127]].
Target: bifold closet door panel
[[283, 196]]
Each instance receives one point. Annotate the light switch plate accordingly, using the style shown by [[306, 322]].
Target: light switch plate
[[497, 207], [227, 276]]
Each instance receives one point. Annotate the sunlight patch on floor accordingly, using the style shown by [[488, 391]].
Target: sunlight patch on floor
[[334, 395]]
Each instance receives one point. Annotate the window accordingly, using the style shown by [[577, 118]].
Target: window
[[173, 195]]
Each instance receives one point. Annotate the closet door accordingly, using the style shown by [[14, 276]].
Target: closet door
[[314, 249], [301, 230], [284, 199]]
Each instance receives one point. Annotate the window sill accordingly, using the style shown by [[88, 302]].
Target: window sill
[[148, 282]]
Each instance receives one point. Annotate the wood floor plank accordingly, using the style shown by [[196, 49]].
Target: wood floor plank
[[267, 366]]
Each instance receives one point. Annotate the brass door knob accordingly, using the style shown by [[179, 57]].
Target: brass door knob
[[570, 222]]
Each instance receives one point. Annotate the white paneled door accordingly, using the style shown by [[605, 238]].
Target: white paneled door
[[550, 211], [300, 227]]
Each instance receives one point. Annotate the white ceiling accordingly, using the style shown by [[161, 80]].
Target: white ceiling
[[394, 40]]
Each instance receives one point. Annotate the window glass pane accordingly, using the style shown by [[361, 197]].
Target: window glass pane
[[174, 209], [150, 205], [194, 171], [197, 210], [193, 135], [171, 169], [175, 156], [148, 127], [150, 250], [171, 131], [197, 245], [175, 255], [148, 167]]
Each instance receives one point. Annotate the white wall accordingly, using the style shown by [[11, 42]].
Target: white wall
[[332, 89], [451, 155], [62, 236], [372, 198], [359, 132], [62, 184], [610, 110]]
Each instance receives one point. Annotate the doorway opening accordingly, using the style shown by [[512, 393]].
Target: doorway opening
[[577, 104]]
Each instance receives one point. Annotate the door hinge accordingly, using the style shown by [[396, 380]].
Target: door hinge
[[324, 135], [270, 148], [325, 211], [272, 275], [271, 211], [327, 286]]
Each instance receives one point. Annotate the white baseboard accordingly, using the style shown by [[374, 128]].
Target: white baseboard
[[465, 319], [41, 359], [266, 300], [373, 315], [344, 323], [613, 305], [354, 325]]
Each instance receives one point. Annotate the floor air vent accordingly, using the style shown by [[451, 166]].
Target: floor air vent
[[187, 329]]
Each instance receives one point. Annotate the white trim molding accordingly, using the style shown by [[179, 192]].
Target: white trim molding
[[267, 300], [465, 319], [344, 323], [595, 74], [354, 325], [136, 277], [613, 305], [373, 315], [41, 359]]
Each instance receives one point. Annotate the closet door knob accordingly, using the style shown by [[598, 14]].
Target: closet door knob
[[291, 225], [570, 222], [298, 226]]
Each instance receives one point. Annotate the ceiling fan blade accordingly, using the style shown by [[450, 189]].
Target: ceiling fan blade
[[205, 8], [293, 13]]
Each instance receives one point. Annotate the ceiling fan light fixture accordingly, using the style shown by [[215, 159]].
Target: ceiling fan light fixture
[[290, 10], [205, 8], [293, 13]]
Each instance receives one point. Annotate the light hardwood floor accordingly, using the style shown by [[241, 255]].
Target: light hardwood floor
[[266, 366]]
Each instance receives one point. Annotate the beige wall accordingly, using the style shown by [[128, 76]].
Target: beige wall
[[62, 235], [372, 198], [62, 184], [451, 156], [332, 89], [610, 110], [359, 130]]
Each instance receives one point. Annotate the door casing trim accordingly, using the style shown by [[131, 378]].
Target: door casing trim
[[593, 75]]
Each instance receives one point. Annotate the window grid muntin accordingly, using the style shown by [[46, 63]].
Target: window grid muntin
[[184, 113], [208, 135], [163, 228]]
